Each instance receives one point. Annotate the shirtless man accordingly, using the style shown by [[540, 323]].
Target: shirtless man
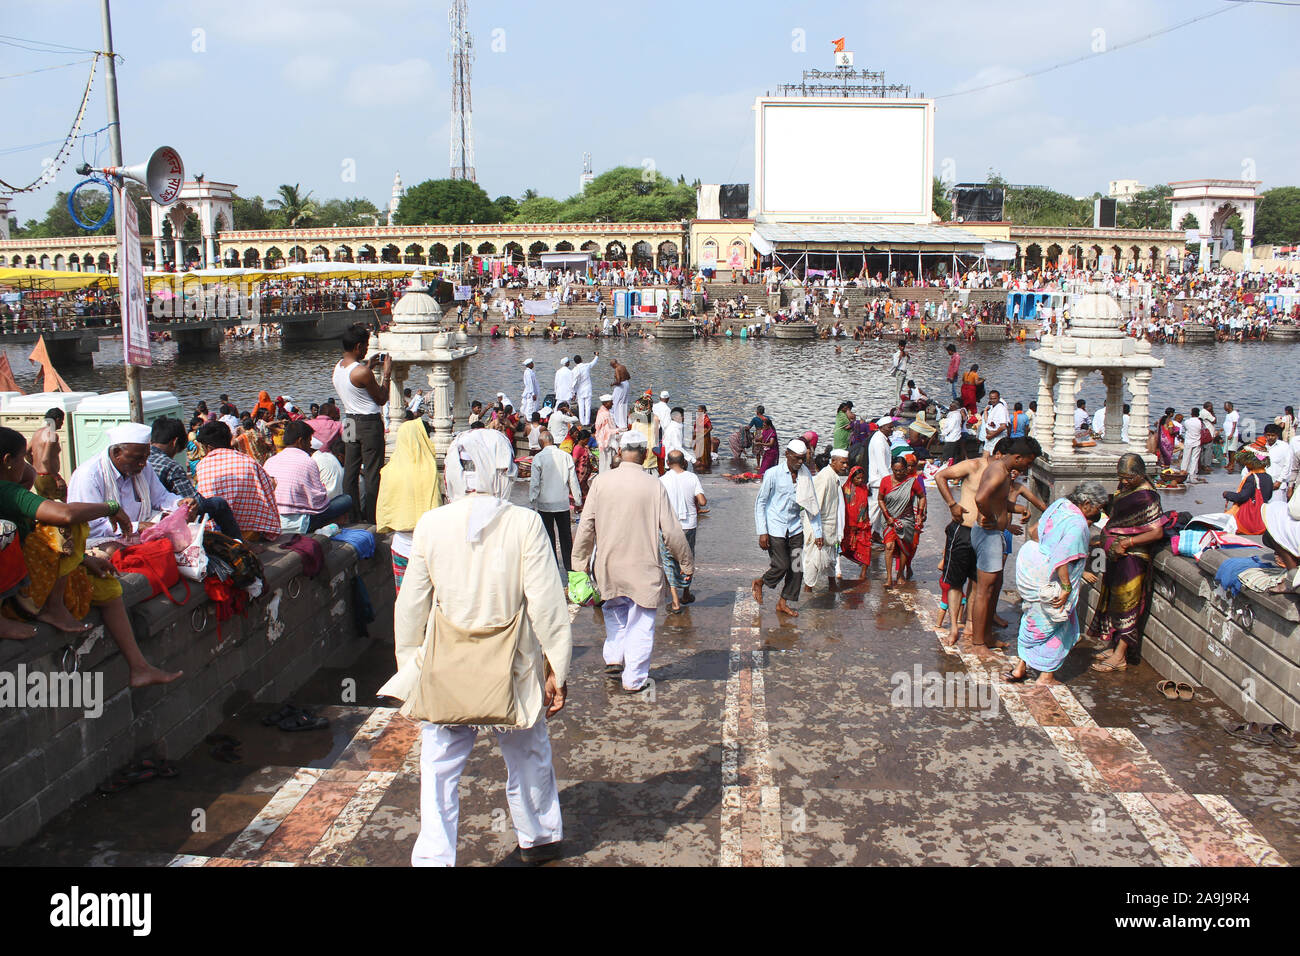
[[622, 389], [958, 556], [44, 452], [993, 516]]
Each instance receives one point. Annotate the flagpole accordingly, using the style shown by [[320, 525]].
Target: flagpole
[[115, 148]]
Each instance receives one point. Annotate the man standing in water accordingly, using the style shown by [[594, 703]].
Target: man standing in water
[[993, 515], [622, 389], [582, 386], [45, 452]]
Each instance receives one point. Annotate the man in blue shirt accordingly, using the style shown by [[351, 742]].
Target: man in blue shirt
[[785, 493]]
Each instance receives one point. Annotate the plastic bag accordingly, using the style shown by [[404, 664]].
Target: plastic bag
[[175, 527], [193, 561], [581, 589]]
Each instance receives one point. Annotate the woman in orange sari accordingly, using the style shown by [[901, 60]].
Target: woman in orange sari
[[855, 542], [264, 403]]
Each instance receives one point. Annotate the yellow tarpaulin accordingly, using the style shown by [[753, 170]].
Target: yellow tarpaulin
[[61, 280]]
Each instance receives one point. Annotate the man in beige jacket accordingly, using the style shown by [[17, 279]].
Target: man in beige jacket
[[482, 559], [627, 510]]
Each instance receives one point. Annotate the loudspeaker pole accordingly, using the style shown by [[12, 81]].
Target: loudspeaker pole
[[115, 147]]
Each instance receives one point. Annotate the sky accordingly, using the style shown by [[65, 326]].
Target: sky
[[337, 95]]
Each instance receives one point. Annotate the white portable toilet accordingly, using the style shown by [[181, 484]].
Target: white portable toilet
[[26, 413], [96, 416]]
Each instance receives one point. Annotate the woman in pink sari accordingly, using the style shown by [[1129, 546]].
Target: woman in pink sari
[[765, 446]]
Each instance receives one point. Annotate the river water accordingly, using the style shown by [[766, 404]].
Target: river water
[[800, 384]]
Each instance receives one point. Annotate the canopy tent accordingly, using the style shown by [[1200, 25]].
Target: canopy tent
[[58, 280], [577, 261], [61, 280]]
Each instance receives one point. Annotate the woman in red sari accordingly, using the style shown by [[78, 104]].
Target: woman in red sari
[[902, 504], [855, 542], [582, 463]]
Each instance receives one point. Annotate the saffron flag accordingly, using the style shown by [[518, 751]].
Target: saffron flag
[[50, 378], [839, 45], [7, 383]]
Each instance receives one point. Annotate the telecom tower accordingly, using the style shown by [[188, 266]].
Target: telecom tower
[[462, 113]]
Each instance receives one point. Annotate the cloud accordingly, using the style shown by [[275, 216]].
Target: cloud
[[381, 86], [308, 73]]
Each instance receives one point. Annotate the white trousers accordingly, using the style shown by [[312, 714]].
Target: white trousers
[[529, 404], [629, 638], [531, 790], [584, 408], [1191, 459], [619, 409]]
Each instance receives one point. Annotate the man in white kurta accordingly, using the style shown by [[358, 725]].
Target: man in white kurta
[[819, 562], [582, 386], [530, 400], [878, 465], [563, 382], [483, 559]]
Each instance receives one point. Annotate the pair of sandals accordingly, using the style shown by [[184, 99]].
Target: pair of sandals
[[136, 773], [1263, 734], [292, 718], [1175, 690], [224, 747]]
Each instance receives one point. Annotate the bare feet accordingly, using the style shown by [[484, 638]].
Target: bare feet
[[60, 618], [149, 675], [785, 608], [16, 630], [1047, 677], [758, 590], [998, 622]]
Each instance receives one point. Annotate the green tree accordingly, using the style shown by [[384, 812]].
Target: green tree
[[294, 207], [1148, 209], [538, 209], [250, 213], [347, 212], [1277, 216], [507, 206], [446, 202], [1189, 222], [631, 194], [939, 201]]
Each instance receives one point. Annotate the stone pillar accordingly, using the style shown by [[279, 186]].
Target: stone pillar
[[459, 407], [209, 252], [1112, 442], [1063, 430], [396, 402], [440, 394], [1045, 419], [158, 252], [1140, 412]]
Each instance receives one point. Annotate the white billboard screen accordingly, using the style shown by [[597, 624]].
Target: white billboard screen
[[861, 159]]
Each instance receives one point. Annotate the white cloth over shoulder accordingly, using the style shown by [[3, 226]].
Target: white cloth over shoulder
[[480, 461]]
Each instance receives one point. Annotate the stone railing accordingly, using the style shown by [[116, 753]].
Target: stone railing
[[52, 757]]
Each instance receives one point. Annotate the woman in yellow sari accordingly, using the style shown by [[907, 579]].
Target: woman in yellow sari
[[53, 535], [408, 487]]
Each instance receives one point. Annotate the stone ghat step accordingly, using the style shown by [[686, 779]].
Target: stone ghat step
[[50, 757]]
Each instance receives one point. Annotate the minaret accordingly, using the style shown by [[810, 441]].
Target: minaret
[[462, 127], [396, 198]]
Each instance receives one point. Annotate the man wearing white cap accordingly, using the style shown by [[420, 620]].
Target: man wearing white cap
[[663, 415], [606, 433], [563, 382], [879, 461], [784, 498], [530, 399], [479, 536], [627, 510], [582, 386], [121, 473], [820, 562]]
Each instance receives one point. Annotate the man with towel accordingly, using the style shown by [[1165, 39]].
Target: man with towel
[[121, 473], [531, 398], [784, 498]]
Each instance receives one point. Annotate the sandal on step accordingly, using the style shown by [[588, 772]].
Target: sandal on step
[[286, 711], [1185, 691], [1168, 689], [1281, 735], [304, 720], [1251, 731]]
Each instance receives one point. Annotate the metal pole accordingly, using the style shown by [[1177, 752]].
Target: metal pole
[[115, 147]]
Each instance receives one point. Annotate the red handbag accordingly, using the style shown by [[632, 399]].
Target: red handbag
[[156, 561]]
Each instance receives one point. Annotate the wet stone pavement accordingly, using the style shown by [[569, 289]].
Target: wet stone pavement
[[767, 742]]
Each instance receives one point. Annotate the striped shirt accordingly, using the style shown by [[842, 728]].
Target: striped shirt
[[250, 492]]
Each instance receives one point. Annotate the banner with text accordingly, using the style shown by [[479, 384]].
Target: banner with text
[[130, 282]]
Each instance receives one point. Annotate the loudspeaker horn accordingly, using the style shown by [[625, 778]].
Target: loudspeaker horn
[[163, 175]]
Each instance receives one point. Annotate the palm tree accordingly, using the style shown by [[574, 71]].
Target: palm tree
[[528, 194], [295, 208]]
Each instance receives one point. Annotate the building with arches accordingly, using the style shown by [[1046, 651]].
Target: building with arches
[[1213, 202]]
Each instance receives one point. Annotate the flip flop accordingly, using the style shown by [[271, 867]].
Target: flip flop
[[1185, 691], [1168, 688], [287, 710], [1282, 736], [304, 720], [1010, 677], [226, 753], [1252, 732], [1105, 667], [162, 769]]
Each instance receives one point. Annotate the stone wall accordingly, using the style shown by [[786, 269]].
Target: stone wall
[[52, 757], [1247, 653]]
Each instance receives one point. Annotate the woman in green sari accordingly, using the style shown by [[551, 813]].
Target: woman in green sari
[[1134, 529]]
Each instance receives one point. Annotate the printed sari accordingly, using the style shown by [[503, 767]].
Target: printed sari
[[1047, 634], [703, 442], [1124, 595], [765, 448], [898, 506], [855, 541], [1165, 444]]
